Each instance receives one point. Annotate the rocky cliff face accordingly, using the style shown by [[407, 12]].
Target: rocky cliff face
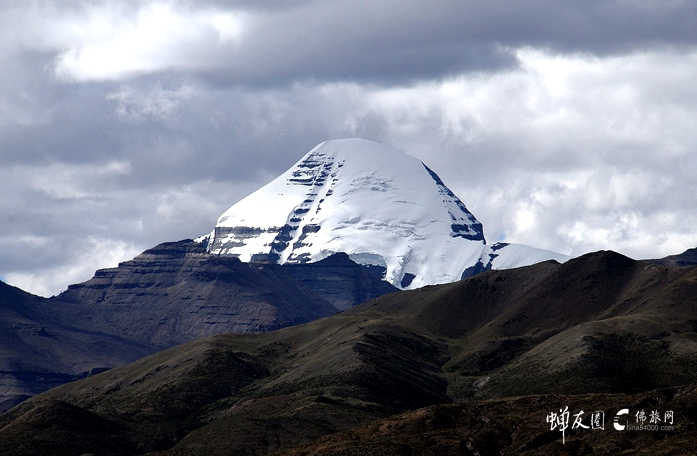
[[341, 281], [177, 292]]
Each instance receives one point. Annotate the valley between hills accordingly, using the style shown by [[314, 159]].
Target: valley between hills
[[471, 367]]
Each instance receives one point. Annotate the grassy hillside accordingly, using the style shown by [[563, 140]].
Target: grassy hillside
[[601, 325]]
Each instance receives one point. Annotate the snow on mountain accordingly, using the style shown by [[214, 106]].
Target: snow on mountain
[[379, 206], [503, 255]]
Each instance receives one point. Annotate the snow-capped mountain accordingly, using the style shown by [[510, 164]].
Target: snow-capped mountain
[[379, 206]]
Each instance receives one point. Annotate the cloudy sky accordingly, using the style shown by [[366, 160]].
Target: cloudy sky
[[566, 125]]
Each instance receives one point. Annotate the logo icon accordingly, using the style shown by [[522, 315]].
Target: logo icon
[[616, 424]]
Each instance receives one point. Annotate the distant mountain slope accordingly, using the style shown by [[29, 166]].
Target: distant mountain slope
[[340, 281], [378, 205], [38, 352], [177, 292], [601, 323], [687, 258], [173, 293]]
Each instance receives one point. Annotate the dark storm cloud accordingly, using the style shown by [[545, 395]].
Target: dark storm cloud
[[399, 42], [389, 41], [402, 41]]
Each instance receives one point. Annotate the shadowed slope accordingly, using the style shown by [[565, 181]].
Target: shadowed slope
[[37, 352], [597, 324], [172, 293], [687, 258], [176, 292], [519, 426]]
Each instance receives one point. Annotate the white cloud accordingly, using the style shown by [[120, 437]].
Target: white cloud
[[112, 41], [66, 182], [93, 253], [180, 205], [568, 152]]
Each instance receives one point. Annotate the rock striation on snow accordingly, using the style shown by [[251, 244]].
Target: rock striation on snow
[[378, 205]]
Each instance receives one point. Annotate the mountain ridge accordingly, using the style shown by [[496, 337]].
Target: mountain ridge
[[601, 324], [170, 294], [686, 258], [38, 352]]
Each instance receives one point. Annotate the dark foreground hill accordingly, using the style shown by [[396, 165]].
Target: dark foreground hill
[[170, 294], [37, 352], [473, 367], [520, 426]]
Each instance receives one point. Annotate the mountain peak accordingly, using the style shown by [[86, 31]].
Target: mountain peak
[[379, 206]]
